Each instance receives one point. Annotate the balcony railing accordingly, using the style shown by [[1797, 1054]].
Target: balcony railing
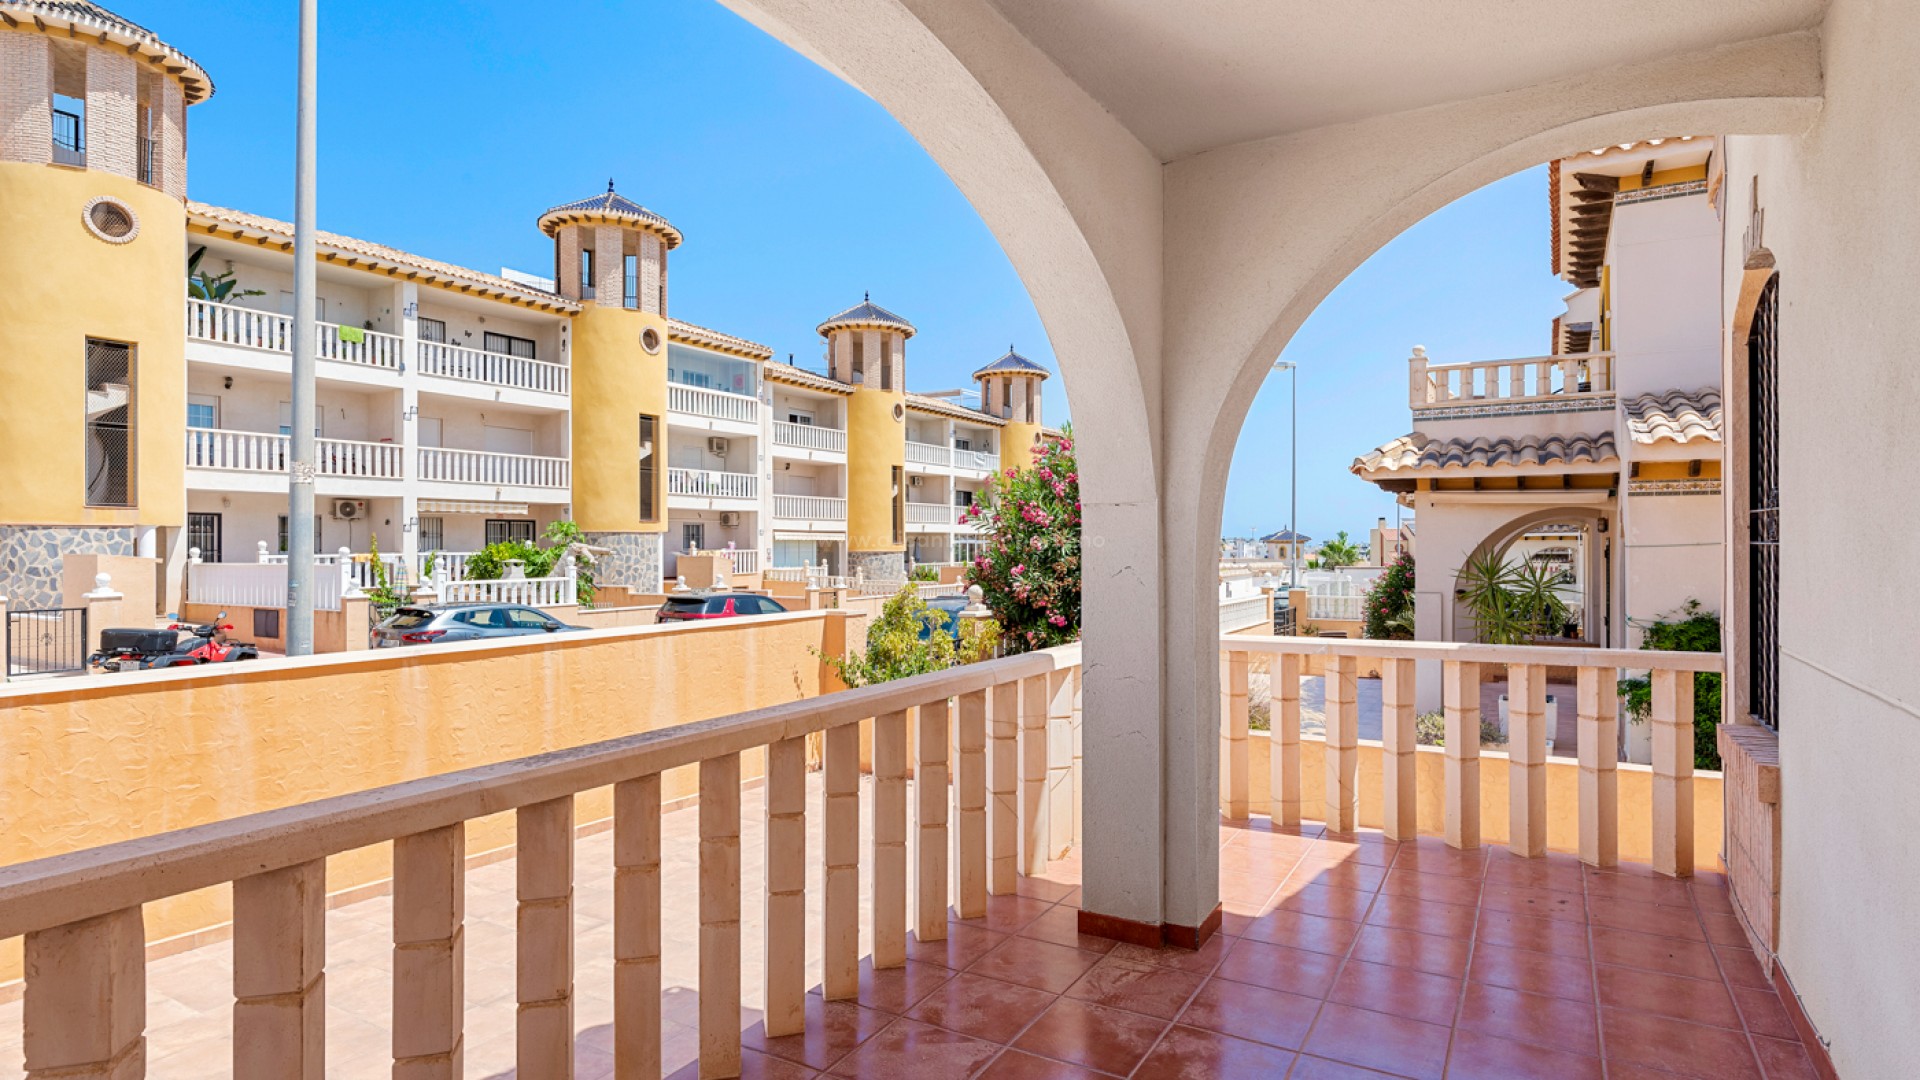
[[719, 485], [1537, 378], [355, 567], [491, 368], [69, 139], [979, 460], [1328, 606], [259, 451], [500, 470], [713, 404], [227, 324], [929, 513], [928, 454], [556, 591], [809, 437], [1244, 613], [809, 508]]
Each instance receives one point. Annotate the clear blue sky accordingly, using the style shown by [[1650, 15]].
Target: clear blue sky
[[446, 128]]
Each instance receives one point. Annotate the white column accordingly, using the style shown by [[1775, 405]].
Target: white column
[[406, 309]]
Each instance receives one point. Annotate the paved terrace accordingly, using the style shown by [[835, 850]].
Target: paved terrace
[[1341, 957]]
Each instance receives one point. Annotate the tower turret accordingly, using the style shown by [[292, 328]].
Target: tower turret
[[1010, 390], [610, 254], [867, 348]]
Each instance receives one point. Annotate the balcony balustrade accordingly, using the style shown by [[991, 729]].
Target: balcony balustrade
[[929, 513], [976, 460], [226, 324], [498, 470], [712, 404], [809, 437], [267, 452], [809, 508], [491, 368], [919, 453], [1528, 379], [712, 484]]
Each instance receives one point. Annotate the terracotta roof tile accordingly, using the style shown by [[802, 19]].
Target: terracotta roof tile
[[79, 15], [1012, 362], [945, 407], [867, 313], [1418, 453], [811, 380], [692, 334], [1677, 416]]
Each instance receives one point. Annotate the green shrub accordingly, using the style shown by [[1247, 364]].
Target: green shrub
[[1029, 566], [1690, 629], [1387, 609], [896, 650]]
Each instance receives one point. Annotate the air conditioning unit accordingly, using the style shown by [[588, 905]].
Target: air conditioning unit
[[730, 519], [348, 509], [716, 446], [914, 481]]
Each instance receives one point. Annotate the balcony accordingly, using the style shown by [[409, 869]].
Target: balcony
[[266, 331], [493, 469], [492, 369], [1535, 381], [812, 512], [701, 489], [979, 461], [919, 453], [939, 516], [813, 443], [736, 413], [266, 453]]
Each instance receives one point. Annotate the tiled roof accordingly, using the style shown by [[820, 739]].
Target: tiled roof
[[610, 204], [944, 407], [1676, 416], [204, 218], [1285, 536], [690, 334], [1012, 362], [811, 380], [867, 313], [77, 16], [1417, 452]]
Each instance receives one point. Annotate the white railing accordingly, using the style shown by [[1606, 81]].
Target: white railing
[[228, 324], [482, 467], [814, 577], [714, 404], [534, 592], [1244, 613], [929, 513], [235, 585], [1530, 378], [719, 485], [928, 454], [257, 451], [356, 567], [745, 560], [981, 460], [809, 437], [809, 508], [448, 564], [494, 369], [1325, 606]]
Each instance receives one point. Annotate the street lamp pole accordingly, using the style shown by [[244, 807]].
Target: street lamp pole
[[1293, 484], [300, 458]]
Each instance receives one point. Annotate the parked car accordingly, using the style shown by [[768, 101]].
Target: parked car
[[952, 606], [414, 625], [715, 604]]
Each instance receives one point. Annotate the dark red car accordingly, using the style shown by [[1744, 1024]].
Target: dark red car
[[712, 604]]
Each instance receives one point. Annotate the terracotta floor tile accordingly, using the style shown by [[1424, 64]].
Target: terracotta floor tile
[[1711, 897], [1555, 1023], [1399, 991], [1706, 1053], [1188, 1053], [1246, 892], [1042, 888], [962, 946], [834, 1029], [1345, 873], [1484, 1057], [1252, 1012], [1443, 888], [1136, 987], [1041, 965], [1377, 1041], [981, 1007], [1061, 925], [1533, 972], [1645, 918], [1108, 1040], [1313, 932], [1307, 1067], [1693, 1000], [1252, 862], [1649, 952], [1277, 967], [1007, 914], [1784, 1060], [1429, 855], [753, 1066], [1199, 961], [1409, 949], [1425, 916], [1533, 902], [1741, 967], [1563, 873], [1671, 892], [1534, 935], [1724, 929], [895, 990], [910, 1048], [1325, 900], [1014, 1065], [1763, 1013]]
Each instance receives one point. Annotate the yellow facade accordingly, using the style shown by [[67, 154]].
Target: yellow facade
[[616, 381], [60, 285], [1017, 441], [876, 448]]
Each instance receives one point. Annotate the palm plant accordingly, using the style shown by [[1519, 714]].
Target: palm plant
[[218, 288], [1339, 552], [1511, 603]]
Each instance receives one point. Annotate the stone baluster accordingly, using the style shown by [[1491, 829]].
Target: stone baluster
[[841, 851], [543, 861], [85, 1010], [429, 940], [889, 840], [1003, 796], [1672, 718], [970, 791], [930, 787], [1033, 775], [1343, 746], [1235, 800], [1527, 760], [636, 927], [1399, 761], [1283, 767], [786, 886], [1461, 711], [1599, 734], [719, 917], [1419, 389]]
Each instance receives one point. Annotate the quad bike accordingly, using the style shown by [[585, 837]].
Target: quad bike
[[137, 649]]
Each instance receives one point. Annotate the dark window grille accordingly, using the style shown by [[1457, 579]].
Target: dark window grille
[[505, 530], [69, 138], [1763, 508], [283, 539], [434, 330], [631, 297], [649, 469], [110, 423], [203, 532], [433, 533], [508, 344], [899, 505], [586, 275]]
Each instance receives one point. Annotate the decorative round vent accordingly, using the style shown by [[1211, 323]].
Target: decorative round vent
[[111, 220], [899, 411], [650, 340]]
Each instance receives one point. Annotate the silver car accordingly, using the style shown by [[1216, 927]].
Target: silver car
[[412, 625]]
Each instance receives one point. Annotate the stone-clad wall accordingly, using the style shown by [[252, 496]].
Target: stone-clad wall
[[878, 565], [634, 560], [30, 558]]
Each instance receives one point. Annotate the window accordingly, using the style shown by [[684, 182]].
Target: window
[[962, 497], [109, 403], [586, 274], [286, 418], [1763, 508], [203, 411], [631, 295], [434, 330], [433, 533], [508, 344], [899, 505], [986, 396], [69, 130], [886, 366], [528, 619], [859, 357], [796, 416], [693, 536], [203, 532], [506, 530], [962, 444], [649, 470], [316, 534]]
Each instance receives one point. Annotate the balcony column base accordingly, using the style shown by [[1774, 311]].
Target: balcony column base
[[1150, 935]]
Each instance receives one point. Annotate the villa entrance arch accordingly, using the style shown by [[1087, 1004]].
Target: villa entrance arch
[[1167, 288], [1597, 527]]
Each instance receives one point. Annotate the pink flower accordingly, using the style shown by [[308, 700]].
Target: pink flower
[[1020, 568]]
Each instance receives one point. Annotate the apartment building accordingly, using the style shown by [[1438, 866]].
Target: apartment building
[[455, 408]]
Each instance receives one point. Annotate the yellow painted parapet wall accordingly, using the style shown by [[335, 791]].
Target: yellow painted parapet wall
[[615, 382], [59, 285], [876, 445], [98, 760]]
